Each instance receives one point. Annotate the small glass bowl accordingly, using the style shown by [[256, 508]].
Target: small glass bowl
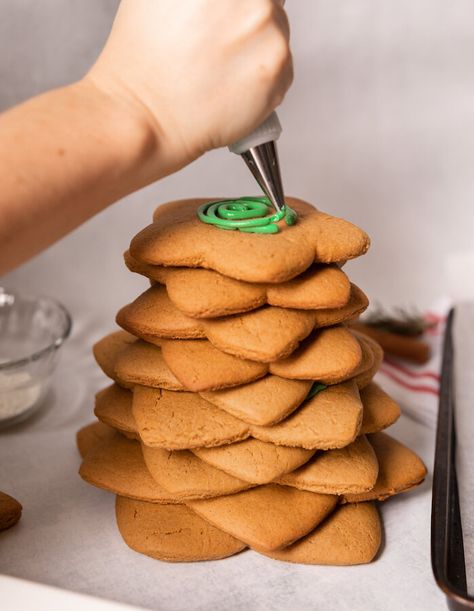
[[32, 329]]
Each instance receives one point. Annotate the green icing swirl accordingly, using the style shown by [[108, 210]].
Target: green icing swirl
[[247, 214]]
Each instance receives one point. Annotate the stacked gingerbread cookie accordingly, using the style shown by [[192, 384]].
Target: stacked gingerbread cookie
[[242, 411]]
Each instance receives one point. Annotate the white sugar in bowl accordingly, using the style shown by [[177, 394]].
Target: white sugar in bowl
[[32, 329]]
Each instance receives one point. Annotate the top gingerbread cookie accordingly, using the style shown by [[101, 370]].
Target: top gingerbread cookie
[[178, 238]]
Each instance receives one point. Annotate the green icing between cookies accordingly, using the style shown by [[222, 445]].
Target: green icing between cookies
[[316, 388], [247, 214]]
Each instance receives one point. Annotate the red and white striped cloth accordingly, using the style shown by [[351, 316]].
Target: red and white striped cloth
[[416, 387]]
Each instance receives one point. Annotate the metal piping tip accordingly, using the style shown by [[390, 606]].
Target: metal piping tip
[[262, 161]]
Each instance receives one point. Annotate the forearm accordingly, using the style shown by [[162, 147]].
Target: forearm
[[64, 156], [166, 88]]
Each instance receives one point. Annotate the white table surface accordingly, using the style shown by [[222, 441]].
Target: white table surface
[[27, 595]]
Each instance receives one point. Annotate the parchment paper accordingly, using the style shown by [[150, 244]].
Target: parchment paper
[[67, 536]]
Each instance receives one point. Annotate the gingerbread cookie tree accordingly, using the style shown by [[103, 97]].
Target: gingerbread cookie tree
[[242, 411]]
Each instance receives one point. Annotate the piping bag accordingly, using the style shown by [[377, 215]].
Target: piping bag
[[259, 151]]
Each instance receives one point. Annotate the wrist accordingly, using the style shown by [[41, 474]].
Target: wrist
[[123, 131], [151, 151]]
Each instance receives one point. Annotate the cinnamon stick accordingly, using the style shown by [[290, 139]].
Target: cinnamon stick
[[408, 348]]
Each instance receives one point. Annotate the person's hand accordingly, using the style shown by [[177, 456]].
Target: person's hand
[[200, 73], [175, 79]]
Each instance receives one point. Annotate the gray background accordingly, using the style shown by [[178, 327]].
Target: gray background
[[378, 128]]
